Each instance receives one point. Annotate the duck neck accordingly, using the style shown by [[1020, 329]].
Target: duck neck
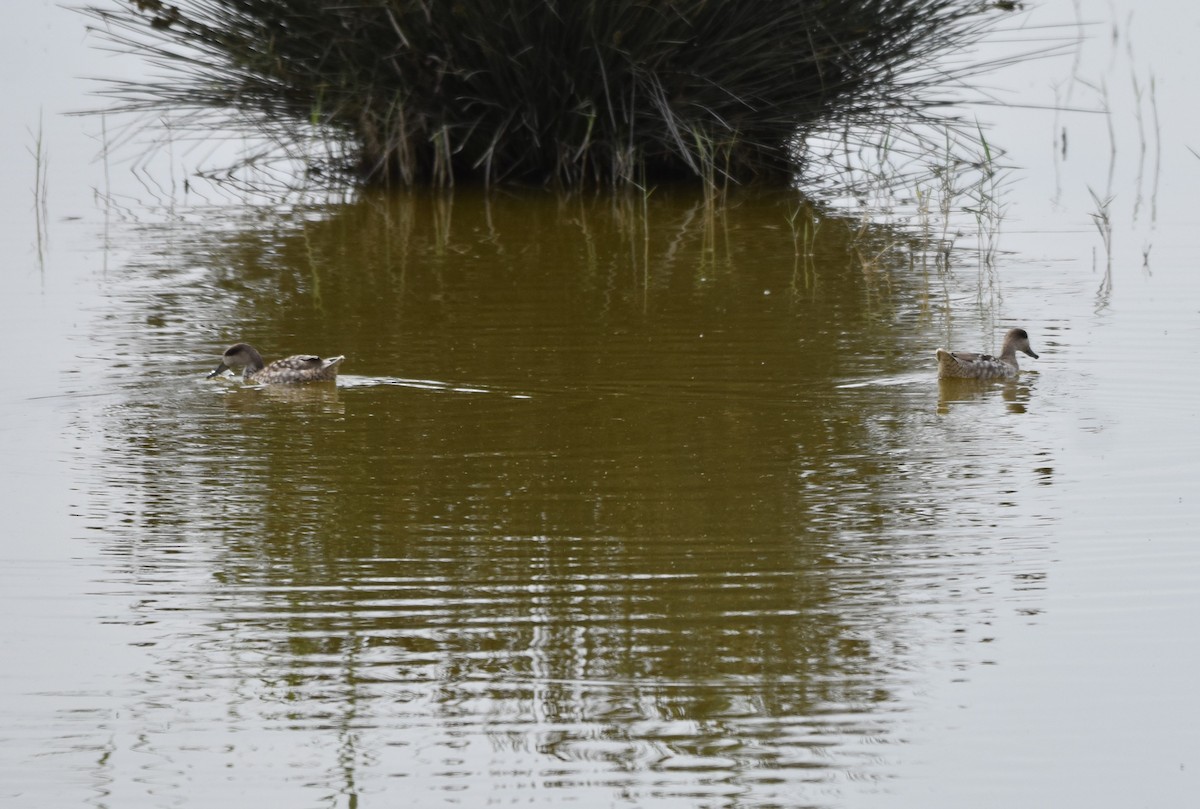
[[256, 361]]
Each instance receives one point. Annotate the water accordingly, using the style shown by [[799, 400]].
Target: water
[[614, 505]]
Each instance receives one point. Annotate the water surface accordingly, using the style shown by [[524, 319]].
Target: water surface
[[619, 502]]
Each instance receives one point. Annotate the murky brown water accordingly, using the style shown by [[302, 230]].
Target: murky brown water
[[609, 502], [617, 503]]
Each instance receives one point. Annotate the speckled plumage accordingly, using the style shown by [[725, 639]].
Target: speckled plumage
[[961, 365], [287, 371]]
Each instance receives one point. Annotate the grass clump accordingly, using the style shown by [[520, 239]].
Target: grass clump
[[572, 92]]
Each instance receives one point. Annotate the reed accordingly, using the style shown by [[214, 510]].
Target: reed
[[1103, 220], [572, 92], [41, 214]]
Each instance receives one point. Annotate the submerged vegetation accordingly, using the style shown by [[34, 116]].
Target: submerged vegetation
[[624, 92]]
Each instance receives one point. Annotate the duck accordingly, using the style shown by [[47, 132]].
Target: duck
[[962, 365], [287, 371]]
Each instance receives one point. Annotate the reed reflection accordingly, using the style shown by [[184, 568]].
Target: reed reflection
[[629, 494]]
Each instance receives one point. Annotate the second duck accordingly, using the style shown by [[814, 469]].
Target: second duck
[[287, 371], [963, 365]]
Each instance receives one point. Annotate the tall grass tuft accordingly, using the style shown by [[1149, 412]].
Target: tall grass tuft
[[573, 92]]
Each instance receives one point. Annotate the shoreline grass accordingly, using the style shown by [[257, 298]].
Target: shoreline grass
[[575, 94]]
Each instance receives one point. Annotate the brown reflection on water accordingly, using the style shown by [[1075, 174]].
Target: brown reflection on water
[[1015, 394], [629, 533]]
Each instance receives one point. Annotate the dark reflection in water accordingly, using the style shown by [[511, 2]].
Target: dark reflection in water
[[970, 391], [615, 504]]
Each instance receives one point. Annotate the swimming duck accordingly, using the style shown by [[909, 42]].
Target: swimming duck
[[289, 370], [960, 365]]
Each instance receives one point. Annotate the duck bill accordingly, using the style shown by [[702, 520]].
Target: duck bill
[[222, 368], [1032, 353]]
